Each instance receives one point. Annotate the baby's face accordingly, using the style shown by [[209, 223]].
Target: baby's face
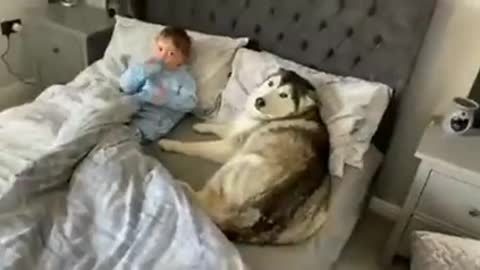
[[166, 51]]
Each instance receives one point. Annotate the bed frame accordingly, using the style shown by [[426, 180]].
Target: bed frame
[[371, 39]]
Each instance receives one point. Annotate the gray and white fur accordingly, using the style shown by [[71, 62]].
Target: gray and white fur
[[272, 187]]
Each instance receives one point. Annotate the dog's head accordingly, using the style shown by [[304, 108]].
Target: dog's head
[[283, 94]]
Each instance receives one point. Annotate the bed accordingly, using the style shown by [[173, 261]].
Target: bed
[[373, 39], [76, 190], [320, 252]]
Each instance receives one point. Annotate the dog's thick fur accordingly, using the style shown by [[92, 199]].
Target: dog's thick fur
[[271, 188]]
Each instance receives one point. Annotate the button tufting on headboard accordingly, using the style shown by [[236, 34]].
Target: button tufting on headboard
[[349, 32], [211, 16], [356, 61], [257, 30], [272, 11], [322, 25], [330, 53], [371, 39], [296, 17], [234, 24], [372, 10], [378, 40], [280, 36], [341, 6], [304, 45]]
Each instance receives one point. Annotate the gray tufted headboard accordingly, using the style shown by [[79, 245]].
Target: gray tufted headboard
[[373, 39]]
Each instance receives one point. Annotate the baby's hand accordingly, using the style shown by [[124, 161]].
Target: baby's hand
[[152, 66], [152, 61]]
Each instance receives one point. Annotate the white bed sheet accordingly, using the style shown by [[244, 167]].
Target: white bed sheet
[[319, 252]]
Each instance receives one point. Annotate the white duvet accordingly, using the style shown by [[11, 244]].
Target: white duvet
[[29, 130], [76, 192]]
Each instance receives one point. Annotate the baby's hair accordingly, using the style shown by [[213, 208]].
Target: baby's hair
[[179, 37]]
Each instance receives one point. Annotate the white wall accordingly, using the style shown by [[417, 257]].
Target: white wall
[[446, 67], [11, 92]]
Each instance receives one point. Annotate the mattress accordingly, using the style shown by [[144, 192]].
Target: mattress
[[319, 252]]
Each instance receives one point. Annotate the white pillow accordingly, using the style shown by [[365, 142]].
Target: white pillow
[[351, 108], [436, 251], [132, 42]]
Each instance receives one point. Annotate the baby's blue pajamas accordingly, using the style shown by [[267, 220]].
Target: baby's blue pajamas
[[163, 96]]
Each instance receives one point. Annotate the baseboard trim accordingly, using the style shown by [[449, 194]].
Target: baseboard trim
[[384, 208]]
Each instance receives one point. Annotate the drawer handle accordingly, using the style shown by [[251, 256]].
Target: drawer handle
[[55, 50], [474, 213]]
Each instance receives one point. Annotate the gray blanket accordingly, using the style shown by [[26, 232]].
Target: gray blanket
[[95, 201]]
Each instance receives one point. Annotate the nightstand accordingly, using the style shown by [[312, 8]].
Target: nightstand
[[63, 41], [445, 195]]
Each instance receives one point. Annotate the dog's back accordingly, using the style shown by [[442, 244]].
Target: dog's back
[[273, 189]]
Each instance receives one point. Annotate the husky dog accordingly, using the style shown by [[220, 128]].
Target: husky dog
[[271, 188]]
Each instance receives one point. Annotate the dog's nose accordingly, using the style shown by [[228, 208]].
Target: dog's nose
[[259, 103]]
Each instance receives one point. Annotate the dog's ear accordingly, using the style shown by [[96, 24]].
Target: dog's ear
[[307, 101], [304, 103], [282, 71], [289, 76]]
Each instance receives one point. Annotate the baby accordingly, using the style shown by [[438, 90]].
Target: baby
[[162, 87]]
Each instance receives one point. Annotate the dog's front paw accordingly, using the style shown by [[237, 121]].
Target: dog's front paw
[[201, 128], [169, 145]]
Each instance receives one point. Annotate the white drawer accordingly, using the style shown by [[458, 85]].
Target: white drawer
[[452, 202]]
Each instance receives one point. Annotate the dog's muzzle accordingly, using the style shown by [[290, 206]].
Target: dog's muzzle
[[259, 103]]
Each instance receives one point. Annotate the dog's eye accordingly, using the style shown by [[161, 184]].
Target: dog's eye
[[270, 84], [283, 95]]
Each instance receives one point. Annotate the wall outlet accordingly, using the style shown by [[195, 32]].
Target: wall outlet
[[10, 26]]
